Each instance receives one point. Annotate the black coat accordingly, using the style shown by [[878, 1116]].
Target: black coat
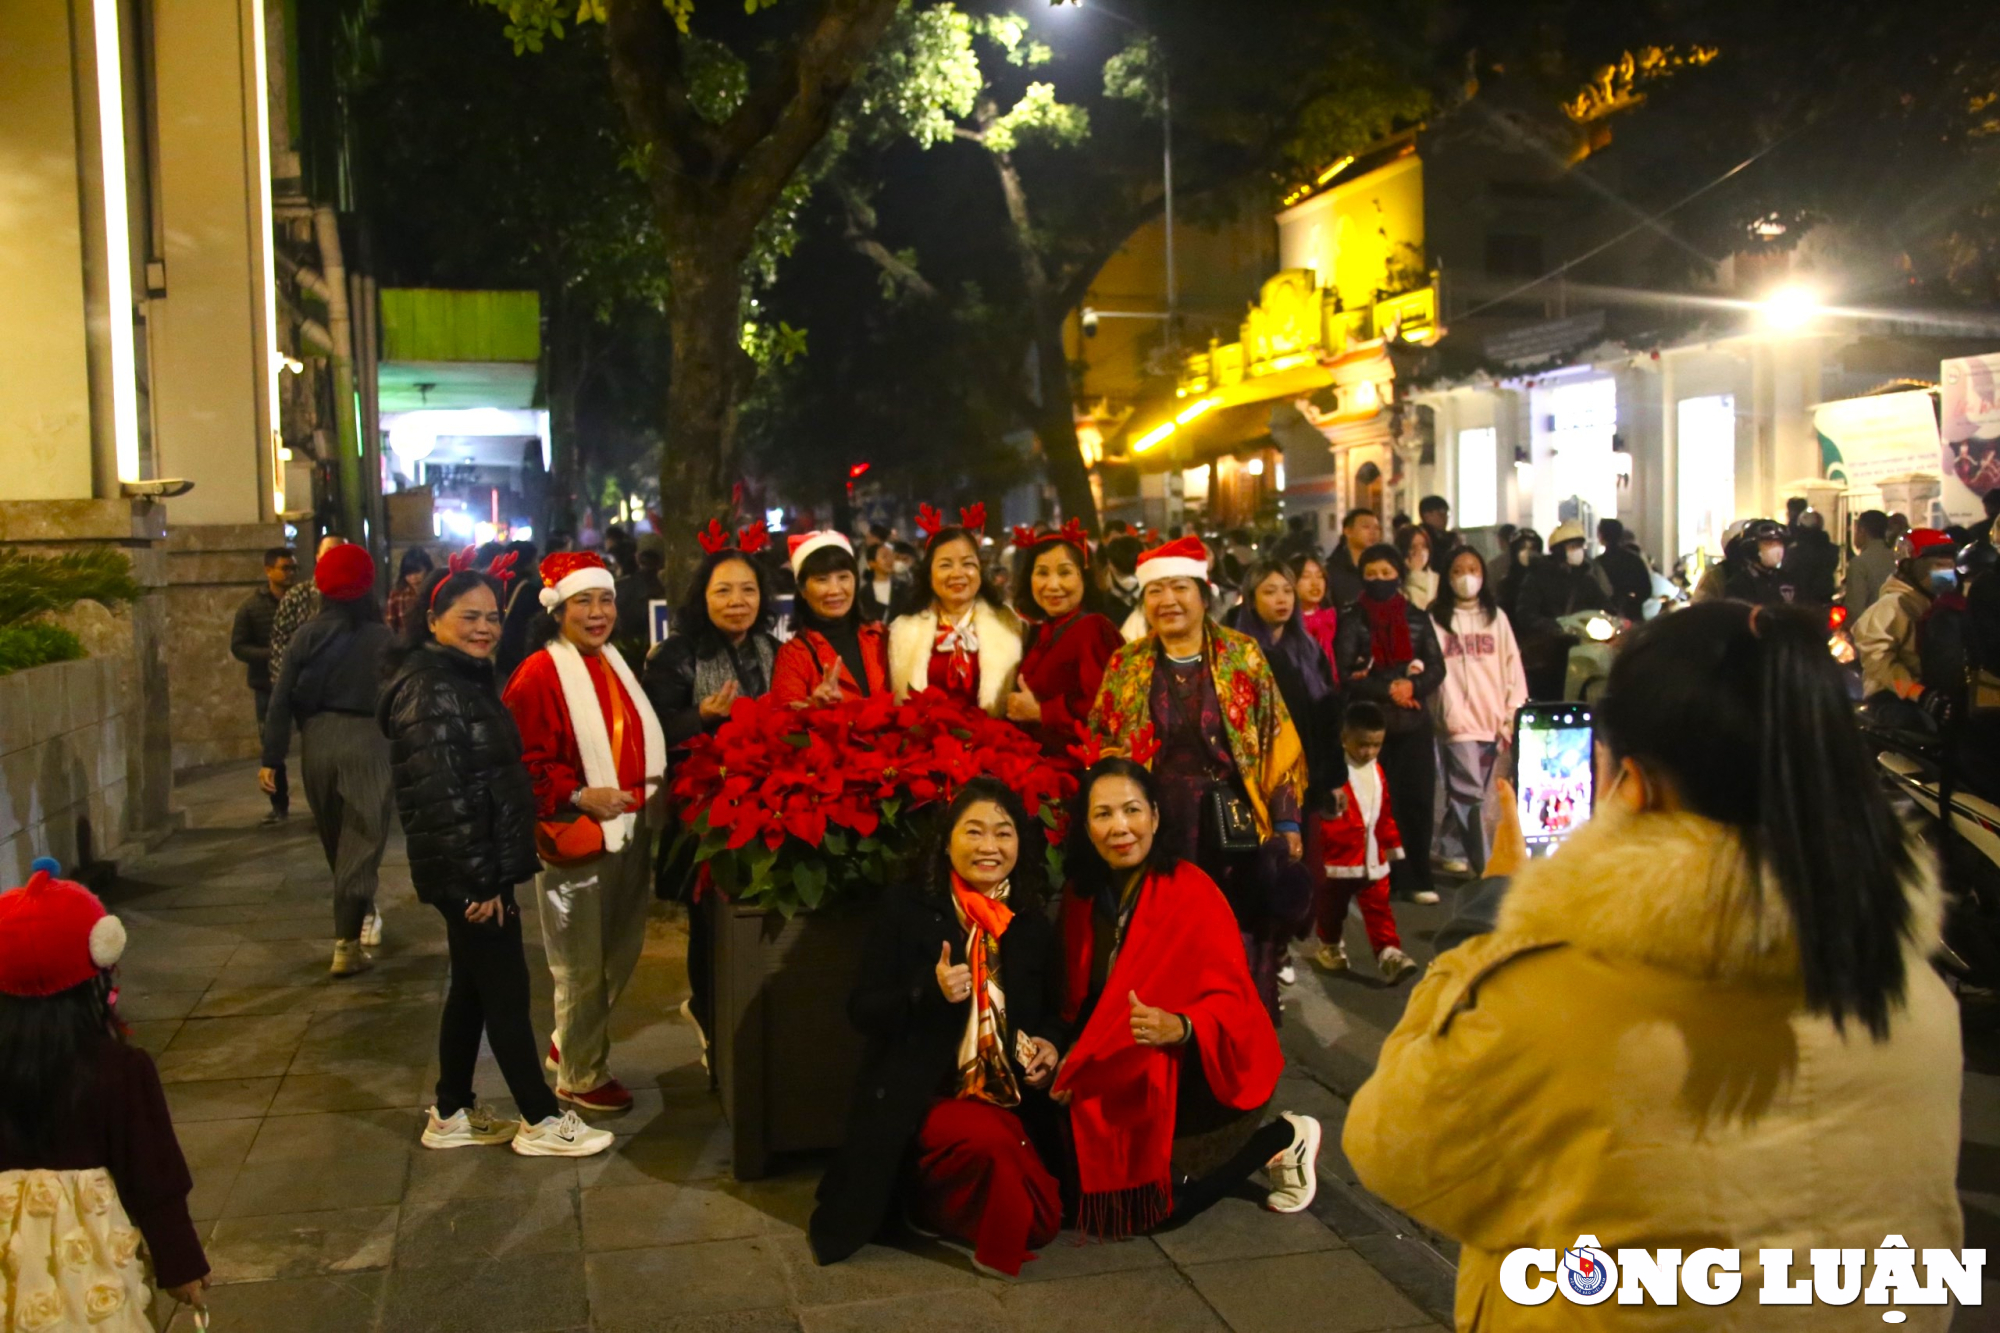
[[1550, 589], [1750, 581], [1631, 580], [1812, 567], [1343, 576], [466, 800], [912, 1050], [1352, 643], [668, 678]]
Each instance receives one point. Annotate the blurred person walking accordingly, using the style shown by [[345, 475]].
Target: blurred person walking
[[250, 644]]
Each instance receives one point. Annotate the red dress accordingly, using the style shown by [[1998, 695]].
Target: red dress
[[1063, 667], [954, 668], [802, 661]]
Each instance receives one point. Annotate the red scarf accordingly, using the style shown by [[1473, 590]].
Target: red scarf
[[1182, 952], [1389, 630]]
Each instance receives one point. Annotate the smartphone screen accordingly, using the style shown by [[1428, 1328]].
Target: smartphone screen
[[1555, 780]]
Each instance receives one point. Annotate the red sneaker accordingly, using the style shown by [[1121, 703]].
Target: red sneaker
[[553, 1061], [609, 1095]]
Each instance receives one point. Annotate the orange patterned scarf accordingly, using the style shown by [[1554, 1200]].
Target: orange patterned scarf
[[985, 1073]]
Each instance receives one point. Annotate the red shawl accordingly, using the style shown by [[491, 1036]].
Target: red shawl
[[1182, 953]]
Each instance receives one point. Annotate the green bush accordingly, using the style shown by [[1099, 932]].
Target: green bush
[[31, 585], [35, 643]]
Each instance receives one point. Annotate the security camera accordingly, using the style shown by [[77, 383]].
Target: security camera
[[160, 488], [1089, 322]]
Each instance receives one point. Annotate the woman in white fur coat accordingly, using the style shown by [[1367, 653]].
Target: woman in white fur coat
[[960, 638]]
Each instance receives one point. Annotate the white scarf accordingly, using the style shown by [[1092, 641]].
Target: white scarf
[[593, 737], [964, 634]]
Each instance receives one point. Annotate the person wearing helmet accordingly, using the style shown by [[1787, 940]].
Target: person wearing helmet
[[1754, 563], [1559, 584], [1812, 562], [1885, 635]]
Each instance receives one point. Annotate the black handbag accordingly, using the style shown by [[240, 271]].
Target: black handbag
[[1228, 825]]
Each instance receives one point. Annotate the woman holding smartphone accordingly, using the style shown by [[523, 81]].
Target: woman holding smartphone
[[468, 812], [1711, 993]]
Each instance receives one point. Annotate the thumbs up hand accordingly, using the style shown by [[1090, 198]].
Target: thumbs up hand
[[954, 983], [1156, 1027], [1022, 706]]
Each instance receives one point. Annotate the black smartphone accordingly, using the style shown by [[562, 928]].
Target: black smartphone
[[1555, 781]]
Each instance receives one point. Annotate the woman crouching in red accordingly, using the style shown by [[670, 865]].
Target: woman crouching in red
[[1174, 1057], [957, 996]]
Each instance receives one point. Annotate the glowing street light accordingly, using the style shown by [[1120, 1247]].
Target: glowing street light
[[1789, 308]]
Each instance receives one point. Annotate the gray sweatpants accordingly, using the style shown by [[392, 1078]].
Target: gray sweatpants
[[344, 761], [594, 929]]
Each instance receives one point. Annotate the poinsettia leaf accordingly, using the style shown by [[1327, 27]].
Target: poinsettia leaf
[[835, 842], [891, 807], [809, 878], [867, 845], [1054, 860], [798, 742], [1048, 813]]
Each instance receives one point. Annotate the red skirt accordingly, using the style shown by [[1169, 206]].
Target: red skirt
[[980, 1180]]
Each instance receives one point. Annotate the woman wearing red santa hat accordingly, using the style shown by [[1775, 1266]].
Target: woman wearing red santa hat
[[597, 754], [835, 654], [955, 634], [329, 685], [92, 1182]]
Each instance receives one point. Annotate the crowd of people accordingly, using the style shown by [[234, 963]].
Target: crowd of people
[[1261, 739]]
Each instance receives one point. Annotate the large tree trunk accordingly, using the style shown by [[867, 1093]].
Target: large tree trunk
[[568, 367], [708, 371]]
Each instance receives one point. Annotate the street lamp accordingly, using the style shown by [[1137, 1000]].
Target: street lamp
[[1789, 308]]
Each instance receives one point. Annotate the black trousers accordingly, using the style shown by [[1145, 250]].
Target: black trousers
[[1195, 1195], [1409, 762], [281, 799], [489, 994]]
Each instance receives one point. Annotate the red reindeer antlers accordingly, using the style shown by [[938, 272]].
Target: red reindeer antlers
[[929, 521], [749, 541], [1025, 536], [1144, 747], [1142, 750], [973, 519], [712, 537], [502, 567], [753, 538]]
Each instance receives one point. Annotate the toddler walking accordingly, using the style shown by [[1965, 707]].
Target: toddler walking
[[1360, 840], [93, 1187]]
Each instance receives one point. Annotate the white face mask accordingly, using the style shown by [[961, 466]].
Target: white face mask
[[1771, 554], [1466, 586], [1574, 555]]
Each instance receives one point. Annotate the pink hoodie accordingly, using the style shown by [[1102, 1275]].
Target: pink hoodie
[[1483, 680]]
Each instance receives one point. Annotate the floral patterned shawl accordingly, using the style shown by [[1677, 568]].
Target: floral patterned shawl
[[1261, 736]]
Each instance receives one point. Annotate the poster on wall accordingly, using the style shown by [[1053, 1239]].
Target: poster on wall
[[1866, 441], [1969, 405]]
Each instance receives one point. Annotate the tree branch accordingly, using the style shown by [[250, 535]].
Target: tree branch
[[645, 58], [860, 235]]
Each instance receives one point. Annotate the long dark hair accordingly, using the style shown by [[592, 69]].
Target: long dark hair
[[48, 1059], [1087, 872], [826, 560], [917, 595], [435, 596], [1298, 565], [1024, 579], [691, 618], [1445, 604], [1742, 708], [1025, 884]]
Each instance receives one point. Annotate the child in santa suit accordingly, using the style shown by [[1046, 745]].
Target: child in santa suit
[[1360, 839], [597, 754], [93, 1187]]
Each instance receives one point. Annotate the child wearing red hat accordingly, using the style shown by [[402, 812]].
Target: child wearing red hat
[[93, 1187]]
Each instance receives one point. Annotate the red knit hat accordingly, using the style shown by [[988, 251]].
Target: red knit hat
[[54, 934], [1183, 558], [345, 574], [567, 573]]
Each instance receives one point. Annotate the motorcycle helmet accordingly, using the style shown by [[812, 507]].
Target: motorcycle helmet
[[1974, 559]]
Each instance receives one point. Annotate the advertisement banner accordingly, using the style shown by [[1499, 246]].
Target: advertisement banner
[[1866, 441], [1969, 403]]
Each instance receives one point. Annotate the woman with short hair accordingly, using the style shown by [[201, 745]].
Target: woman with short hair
[[835, 654]]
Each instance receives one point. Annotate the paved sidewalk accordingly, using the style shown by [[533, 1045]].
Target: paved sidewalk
[[298, 1102]]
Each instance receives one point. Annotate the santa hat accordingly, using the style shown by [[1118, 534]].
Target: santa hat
[[802, 544], [54, 935], [567, 573], [1183, 558], [345, 574]]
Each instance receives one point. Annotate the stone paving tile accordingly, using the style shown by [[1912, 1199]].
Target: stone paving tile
[[335, 1135], [963, 1312], [646, 1291], [672, 1151], [631, 1217], [155, 1006], [1310, 1293], [334, 1303], [153, 1036], [214, 1151], [462, 1230], [1070, 1256], [436, 1177], [357, 1085], [357, 1180], [220, 1099], [258, 1249], [208, 1048], [875, 1272], [1242, 1229], [1143, 1302], [522, 1293]]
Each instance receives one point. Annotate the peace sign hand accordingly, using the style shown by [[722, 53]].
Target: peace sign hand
[[828, 689]]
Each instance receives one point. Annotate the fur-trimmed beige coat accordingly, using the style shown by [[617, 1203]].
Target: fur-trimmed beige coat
[[911, 638], [1628, 1056]]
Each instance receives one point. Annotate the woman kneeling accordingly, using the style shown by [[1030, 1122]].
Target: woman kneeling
[[1174, 1057], [957, 997]]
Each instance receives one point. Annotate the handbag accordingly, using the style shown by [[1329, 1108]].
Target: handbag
[[1228, 825]]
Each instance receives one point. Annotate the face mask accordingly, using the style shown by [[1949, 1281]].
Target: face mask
[[1943, 580], [1466, 586], [1771, 555], [1574, 555], [1381, 589]]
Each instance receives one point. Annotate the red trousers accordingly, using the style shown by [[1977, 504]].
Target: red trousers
[[981, 1181], [1373, 896]]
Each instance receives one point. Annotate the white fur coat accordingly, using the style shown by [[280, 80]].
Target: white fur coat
[[911, 637]]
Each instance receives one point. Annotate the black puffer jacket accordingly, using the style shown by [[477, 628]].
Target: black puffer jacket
[[467, 803]]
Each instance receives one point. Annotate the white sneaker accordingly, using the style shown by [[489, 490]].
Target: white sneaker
[[1331, 957], [474, 1128], [371, 930], [348, 958], [1454, 865], [1287, 974], [562, 1135], [1294, 1172], [1424, 896], [1394, 964]]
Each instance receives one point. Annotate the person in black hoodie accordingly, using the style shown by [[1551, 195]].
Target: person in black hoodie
[[1523, 549], [1405, 667], [468, 811], [1559, 584], [959, 1141]]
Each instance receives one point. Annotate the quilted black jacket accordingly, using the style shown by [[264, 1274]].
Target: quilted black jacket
[[467, 803]]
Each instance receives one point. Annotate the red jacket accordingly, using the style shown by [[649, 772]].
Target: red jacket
[[534, 696], [1345, 838], [802, 661], [1063, 667]]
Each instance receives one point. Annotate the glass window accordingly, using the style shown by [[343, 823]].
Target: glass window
[[1707, 433], [1478, 477]]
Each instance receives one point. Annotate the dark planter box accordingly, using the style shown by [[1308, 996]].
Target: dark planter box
[[785, 1054]]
